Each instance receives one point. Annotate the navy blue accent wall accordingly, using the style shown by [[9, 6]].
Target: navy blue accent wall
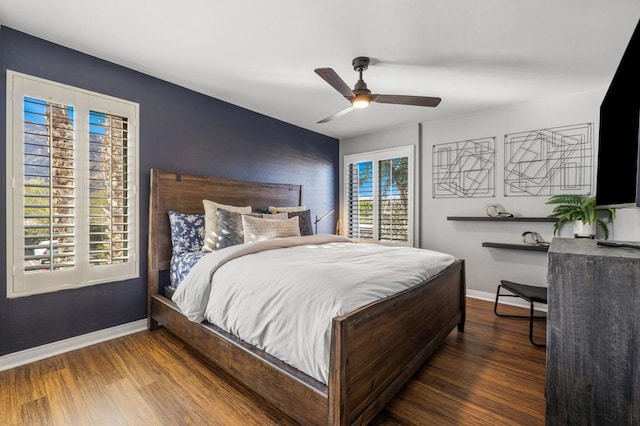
[[180, 130]]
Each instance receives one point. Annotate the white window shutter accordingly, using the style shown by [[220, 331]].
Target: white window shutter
[[393, 199], [109, 210], [72, 170], [360, 200], [378, 196], [49, 186]]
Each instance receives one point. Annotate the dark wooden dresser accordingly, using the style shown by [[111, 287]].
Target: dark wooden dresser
[[593, 334]]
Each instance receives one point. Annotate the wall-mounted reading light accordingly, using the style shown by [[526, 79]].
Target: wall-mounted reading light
[[324, 216]]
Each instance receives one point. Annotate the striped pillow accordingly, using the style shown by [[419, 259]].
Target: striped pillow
[[274, 209], [230, 231], [258, 229]]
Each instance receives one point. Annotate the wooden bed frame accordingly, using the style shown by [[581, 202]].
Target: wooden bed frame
[[374, 350]]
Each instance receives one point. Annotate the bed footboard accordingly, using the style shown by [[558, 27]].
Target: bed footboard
[[376, 349]]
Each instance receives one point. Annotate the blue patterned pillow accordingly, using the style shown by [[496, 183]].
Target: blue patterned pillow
[[181, 264], [187, 232]]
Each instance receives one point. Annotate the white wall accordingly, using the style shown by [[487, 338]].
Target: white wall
[[487, 266], [392, 138], [626, 226]]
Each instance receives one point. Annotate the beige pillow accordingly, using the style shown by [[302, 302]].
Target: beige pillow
[[211, 221], [274, 209], [258, 229], [280, 216]]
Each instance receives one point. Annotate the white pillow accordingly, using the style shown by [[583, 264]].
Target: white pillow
[[211, 221], [274, 209], [258, 229]]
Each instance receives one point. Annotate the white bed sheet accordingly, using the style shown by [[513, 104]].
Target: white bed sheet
[[281, 295]]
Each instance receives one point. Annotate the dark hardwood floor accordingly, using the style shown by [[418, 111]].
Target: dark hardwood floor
[[488, 375]]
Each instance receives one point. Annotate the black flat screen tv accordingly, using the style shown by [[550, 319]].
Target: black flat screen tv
[[618, 175]]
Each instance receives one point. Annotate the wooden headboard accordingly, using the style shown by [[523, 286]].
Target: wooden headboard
[[184, 193]]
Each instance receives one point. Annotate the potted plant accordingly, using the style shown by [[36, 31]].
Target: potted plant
[[581, 210]]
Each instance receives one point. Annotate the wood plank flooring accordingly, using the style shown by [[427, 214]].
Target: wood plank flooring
[[488, 375]]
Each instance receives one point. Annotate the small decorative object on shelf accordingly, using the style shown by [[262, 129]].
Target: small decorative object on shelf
[[496, 210], [533, 239], [581, 210]]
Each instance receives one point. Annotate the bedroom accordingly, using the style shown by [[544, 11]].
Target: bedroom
[[178, 125]]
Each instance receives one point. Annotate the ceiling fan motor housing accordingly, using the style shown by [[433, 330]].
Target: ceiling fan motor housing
[[360, 64], [361, 88]]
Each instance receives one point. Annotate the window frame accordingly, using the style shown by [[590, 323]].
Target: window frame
[[375, 157], [83, 101]]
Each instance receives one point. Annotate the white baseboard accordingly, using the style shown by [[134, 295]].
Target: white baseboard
[[513, 301], [67, 345]]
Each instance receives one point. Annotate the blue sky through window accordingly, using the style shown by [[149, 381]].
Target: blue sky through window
[[35, 110], [365, 174]]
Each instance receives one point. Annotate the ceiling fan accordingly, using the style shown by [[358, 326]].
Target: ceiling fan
[[361, 97]]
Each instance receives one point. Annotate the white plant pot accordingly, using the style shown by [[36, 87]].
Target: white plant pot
[[584, 230]]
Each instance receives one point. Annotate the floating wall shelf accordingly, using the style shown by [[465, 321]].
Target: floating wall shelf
[[515, 246], [502, 219], [507, 219]]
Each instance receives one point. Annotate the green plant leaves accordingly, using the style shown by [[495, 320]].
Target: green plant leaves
[[572, 207]]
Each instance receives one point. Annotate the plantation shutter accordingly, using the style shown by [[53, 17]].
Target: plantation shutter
[[393, 199], [378, 196], [108, 189], [72, 170], [48, 185], [360, 200]]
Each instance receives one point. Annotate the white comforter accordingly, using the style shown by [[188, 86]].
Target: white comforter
[[281, 295]]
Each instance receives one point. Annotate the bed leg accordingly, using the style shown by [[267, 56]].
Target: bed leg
[[463, 298], [152, 324]]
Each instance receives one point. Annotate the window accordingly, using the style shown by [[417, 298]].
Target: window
[[378, 200], [72, 208]]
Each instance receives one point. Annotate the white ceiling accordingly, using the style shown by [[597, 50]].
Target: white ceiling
[[260, 54]]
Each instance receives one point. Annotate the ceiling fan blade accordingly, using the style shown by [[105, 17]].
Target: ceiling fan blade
[[331, 77], [337, 114], [406, 100]]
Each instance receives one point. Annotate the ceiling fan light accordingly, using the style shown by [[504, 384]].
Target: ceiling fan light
[[361, 101]]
